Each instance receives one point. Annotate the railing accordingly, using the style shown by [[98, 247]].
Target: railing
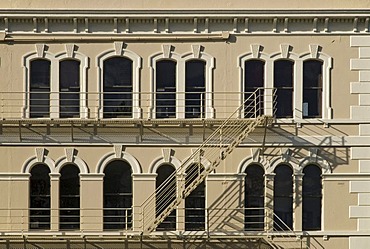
[[210, 222], [145, 105]]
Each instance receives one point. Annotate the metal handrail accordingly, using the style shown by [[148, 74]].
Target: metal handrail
[[107, 105]]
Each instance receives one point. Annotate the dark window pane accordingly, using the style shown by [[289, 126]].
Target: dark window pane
[[117, 87], [166, 89], [117, 195], [69, 88], [195, 202], [40, 197], [195, 88], [312, 195], [312, 88], [166, 195], [40, 88], [69, 201], [283, 82], [254, 78], [254, 198], [283, 197]]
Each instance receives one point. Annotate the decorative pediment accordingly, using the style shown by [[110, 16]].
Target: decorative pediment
[[196, 50], [40, 49], [40, 153], [70, 50], [70, 153], [166, 48], [256, 49], [118, 47], [118, 149], [314, 50], [285, 48]]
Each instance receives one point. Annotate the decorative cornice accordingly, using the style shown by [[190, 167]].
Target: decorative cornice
[[195, 22]]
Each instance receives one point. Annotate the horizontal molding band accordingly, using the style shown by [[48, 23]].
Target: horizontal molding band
[[216, 12]]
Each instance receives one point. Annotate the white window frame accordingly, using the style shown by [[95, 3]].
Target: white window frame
[[136, 66], [84, 65], [152, 65]]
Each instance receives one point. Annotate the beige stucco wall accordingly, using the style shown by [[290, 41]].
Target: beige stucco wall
[[148, 4]]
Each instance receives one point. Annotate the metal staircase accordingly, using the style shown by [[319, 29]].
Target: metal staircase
[[215, 148]]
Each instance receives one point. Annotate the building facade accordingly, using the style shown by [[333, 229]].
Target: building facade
[[184, 124]]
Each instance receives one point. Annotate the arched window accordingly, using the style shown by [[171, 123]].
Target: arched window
[[195, 203], [40, 88], [312, 195], [312, 89], [166, 89], [118, 195], [283, 82], [283, 197], [254, 198], [69, 88], [69, 200], [195, 88], [117, 87], [40, 197], [166, 195], [254, 79]]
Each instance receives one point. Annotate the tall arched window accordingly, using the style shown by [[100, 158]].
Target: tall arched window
[[195, 203], [312, 89], [166, 89], [40, 197], [117, 87], [312, 195], [283, 82], [254, 80], [69, 88], [283, 197], [118, 195], [69, 199], [195, 88], [254, 198], [40, 88], [166, 195]]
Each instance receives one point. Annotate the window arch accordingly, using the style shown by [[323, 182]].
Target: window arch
[[283, 197], [312, 88], [283, 82], [166, 77], [69, 88], [254, 79], [117, 87], [40, 197], [195, 88], [195, 203], [40, 87], [69, 197], [254, 190], [165, 173], [123, 86], [117, 193], [312, 196]]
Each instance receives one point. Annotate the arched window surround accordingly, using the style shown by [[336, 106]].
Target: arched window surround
[[267, 77], [327, 111], [54, 80], [84, 66], [298, 78], [54, 88], [107, 158], [136, 66], [179, 80], [209, 67]]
